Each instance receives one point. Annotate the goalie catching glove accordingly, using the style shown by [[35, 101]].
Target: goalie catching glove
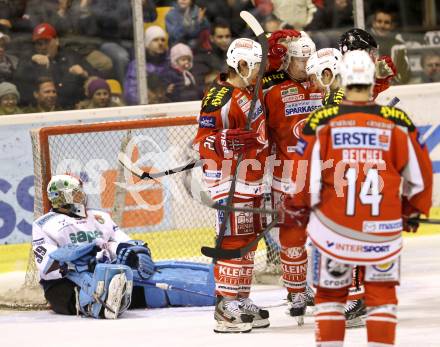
[[137, 256], [229, 142]]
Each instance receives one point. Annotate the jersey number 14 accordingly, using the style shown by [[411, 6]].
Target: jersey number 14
[[369, 193]]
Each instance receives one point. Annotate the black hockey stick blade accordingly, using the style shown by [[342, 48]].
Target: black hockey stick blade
[[394, 101], [128, 164], [424, 220], [220, 253]]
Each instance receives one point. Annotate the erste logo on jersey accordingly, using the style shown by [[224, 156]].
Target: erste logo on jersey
[[361, 137], [301, 107]]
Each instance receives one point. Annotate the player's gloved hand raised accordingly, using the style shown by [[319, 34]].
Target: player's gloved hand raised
[[277, 51], [291, 215], [137, 257], [229, 142], [409, 217], [385, 68]]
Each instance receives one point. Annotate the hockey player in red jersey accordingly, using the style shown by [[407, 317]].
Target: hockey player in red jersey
[[221, 137], [289, 98], [358, 154]]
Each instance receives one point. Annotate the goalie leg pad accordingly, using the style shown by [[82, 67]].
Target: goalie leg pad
[[194, 278], [110, 286]]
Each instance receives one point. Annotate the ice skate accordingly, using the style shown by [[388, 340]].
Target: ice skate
[[116, 294], [355, 313], [231, 318], [310, 296], [261, 316], [296, 306]]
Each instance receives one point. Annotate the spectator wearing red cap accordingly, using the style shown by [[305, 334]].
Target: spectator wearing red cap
[[66, 68]]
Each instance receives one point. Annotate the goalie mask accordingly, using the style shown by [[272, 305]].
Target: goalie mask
[[326, 58], [357, 68], [65, 191], [247, 50]]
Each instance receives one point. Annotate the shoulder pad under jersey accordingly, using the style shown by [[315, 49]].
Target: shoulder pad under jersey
[[43, 219], [397, 116], [318, 117], [273, 78], [334, 97], [216, 97]]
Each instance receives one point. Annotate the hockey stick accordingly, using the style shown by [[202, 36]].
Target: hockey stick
[[166, 286], [262, 39], [128, 164]]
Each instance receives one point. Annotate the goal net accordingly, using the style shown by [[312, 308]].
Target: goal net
[[160, 212]]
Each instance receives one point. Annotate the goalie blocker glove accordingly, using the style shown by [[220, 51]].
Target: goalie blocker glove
[[229, 142], [136, 255]]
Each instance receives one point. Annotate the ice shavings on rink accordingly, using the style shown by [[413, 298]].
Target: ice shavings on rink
[[419, 318]]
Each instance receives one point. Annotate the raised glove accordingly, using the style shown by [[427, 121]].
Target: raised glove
[[385, 68], [137, 257], [277, 51], [409, 214], [229, 142], [291, 215]]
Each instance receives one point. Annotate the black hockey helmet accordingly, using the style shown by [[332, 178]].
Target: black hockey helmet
[[355, 39]]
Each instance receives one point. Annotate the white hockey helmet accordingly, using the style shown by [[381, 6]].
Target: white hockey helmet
[[302, 47], [66, 191], [244, 49], [326, 58], [357, 68]]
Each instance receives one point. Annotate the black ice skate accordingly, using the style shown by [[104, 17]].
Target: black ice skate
[[296, 306], [310, 296], [355, 313], [261, 316], [231, 318]]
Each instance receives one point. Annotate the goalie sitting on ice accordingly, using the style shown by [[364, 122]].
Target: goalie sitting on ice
[[84, 260]]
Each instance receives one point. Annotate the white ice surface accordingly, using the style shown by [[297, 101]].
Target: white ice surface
[[419, 318]]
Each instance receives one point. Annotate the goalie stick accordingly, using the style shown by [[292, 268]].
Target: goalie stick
[[262, 39]]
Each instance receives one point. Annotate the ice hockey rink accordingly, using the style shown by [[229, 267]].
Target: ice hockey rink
[[419, 317]]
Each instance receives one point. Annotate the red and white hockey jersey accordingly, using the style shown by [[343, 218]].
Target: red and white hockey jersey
[[227, 107], [54, 230], [288, 104], [357, 157]]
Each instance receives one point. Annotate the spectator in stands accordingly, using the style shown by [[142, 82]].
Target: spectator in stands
[[210, 62], [297, 13], [181, 82], [99, 96], [13, 16], [330, 22], [116, 94], [157, 89], [431, 67], [383, 25], [8, 62], [112, 21], [67, 69], [157, 62], [271, 24], [185, 23], [9, 98], [45, 95]]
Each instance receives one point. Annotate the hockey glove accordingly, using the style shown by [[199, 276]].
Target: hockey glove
[[278, 51], [138, 257], [229, 142], [385, 68], [291, 215], [409, 215]]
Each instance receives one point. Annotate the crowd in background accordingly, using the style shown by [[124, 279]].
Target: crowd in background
[[78, 54]]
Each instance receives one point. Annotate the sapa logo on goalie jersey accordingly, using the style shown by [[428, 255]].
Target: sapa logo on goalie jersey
[[361, 137]]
